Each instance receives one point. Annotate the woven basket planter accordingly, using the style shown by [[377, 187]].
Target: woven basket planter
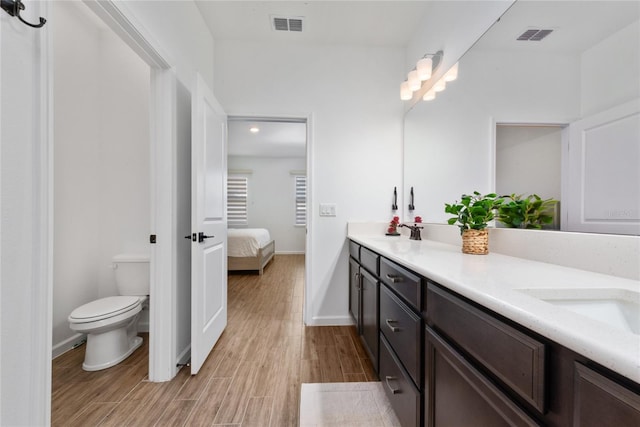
[[475, 242]]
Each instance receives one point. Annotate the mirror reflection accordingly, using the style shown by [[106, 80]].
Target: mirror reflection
[[507, 123]]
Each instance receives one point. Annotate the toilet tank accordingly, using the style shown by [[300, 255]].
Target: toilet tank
[[132, 274]]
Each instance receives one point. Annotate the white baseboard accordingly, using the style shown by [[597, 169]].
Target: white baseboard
[[66, 345], [290, 252], [143, 326], [331, 321], [184, 356]]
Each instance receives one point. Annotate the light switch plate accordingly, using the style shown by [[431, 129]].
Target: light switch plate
[[327, 209]]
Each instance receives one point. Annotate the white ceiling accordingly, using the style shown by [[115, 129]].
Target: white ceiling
[[370, 23], [275, 138]]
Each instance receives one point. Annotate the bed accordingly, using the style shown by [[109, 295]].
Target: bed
[[249, 249]]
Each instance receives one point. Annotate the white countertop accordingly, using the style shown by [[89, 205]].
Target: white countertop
[[494, 281]]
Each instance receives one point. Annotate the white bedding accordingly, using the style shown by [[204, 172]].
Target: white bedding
[[245, 242]]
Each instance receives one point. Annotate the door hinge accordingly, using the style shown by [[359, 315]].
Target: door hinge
[[152, 238]]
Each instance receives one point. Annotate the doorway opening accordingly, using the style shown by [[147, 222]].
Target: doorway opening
[[528, 160], [268, 180]]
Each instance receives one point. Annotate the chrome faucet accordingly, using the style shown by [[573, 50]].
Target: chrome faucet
[[415, 231]]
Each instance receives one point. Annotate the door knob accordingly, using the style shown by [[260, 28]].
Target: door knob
[[192, 237], [202, 237]]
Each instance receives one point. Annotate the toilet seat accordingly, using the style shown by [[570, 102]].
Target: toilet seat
[[104, 308]]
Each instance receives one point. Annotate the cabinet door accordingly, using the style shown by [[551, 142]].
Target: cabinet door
[[599, 401], [369, 315], [459, 395], [354, 293]]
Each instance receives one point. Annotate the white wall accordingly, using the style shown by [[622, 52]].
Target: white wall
[[528, 160], [356, 138], [101, 160], [271, 201], [179, 28], [610, 70]]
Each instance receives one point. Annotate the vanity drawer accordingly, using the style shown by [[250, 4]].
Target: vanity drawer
[[402, 328], [402, 394], [402, 281], [354, 250], [369, 260], [513, 357]]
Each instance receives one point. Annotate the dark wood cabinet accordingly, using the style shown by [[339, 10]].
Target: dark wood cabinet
[[512, 357], [354, 291], [403, 395], [402, 328], [457, 394], [599, 401], [445, 360], [363, 297], [369, 314]]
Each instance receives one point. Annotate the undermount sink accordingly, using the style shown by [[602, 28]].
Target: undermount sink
[[619, 308]]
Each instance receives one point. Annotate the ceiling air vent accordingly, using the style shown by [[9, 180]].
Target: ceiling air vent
[[534, 34], [282, 23]]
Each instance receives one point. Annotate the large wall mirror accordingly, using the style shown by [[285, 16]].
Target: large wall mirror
[[519, 107]]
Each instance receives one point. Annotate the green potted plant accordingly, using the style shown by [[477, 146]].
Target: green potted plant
[[529, 212], [472, 214]]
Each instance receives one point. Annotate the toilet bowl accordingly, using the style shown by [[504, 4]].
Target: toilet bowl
[[111, 323]]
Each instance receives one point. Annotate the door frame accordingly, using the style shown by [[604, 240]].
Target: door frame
[[162, 122], [307, 311]]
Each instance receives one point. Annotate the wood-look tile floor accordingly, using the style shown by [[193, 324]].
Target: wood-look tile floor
[[251, 378]]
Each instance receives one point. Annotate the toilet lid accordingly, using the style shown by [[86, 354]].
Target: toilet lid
[[103, 308]]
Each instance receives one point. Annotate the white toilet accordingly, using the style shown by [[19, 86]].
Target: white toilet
[[111, 323]]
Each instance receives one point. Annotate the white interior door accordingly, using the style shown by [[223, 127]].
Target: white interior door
[[603, 181], [208, 223]]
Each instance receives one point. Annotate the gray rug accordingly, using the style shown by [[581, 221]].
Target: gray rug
[[345, 405]]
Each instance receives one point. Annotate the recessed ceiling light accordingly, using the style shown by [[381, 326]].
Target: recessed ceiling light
[[254, 129]]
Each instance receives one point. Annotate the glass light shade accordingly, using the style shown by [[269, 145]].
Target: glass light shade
[[429, 96], [424, 67], [440, 85], [452, 74], [405, 93], [414, 81]]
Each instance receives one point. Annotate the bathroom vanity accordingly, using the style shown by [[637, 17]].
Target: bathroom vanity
[[489, 340]]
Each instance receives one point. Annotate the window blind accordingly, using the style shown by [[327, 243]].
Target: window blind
[[237, 191], [301, 200]]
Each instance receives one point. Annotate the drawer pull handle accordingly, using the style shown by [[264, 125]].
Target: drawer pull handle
[[391, 389], [394, 279], [389, 324]]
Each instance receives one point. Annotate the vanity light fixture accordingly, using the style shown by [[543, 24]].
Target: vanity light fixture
[[254, 129], [414, 82], [405, 93], [423, 71], [440, 85], [430, 95], [452, 74], [424, 67]]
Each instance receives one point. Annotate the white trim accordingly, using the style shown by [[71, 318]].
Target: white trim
[[184, 356], [331, 321], [162, 313], [68, 344], [296, 118], [42, 311], [289, 252], [307, 306]]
